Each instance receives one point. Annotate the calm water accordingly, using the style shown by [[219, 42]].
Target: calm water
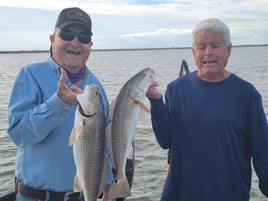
[[114, 68]]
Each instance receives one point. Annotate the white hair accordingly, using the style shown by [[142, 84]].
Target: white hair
[[215, 25]]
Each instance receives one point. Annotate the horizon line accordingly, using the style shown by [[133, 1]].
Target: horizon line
[[118, 49]]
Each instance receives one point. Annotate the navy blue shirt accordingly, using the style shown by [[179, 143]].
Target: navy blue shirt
[[213, 131]]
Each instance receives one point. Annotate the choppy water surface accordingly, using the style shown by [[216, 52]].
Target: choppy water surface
[[114, 68]]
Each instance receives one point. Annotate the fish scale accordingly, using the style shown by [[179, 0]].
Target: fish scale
[[88, 139], [125, 113]]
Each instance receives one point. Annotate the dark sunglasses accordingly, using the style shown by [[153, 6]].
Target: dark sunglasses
[[69, 35]]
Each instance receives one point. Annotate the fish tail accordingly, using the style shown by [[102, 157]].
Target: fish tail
[[119, 189]]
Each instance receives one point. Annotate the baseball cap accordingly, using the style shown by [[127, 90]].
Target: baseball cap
[[74, 15]]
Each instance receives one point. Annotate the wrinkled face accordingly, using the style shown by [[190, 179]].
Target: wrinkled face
[[211, 55], [70, 53]]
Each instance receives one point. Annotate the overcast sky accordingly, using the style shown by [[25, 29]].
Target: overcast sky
[[27, 24]]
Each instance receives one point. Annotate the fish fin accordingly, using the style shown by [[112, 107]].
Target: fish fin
[[119, 189], [142, 118], [142, 106], [77, 186], [131, 154], [76, 133], [80, 129], [104, 175], [72, 137]]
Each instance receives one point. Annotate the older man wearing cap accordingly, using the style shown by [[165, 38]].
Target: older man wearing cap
[[41, 111]]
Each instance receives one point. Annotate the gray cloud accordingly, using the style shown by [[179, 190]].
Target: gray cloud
[[132, 23]]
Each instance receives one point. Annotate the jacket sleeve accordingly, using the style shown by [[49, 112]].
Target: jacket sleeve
[[160, 122], [30, 118]]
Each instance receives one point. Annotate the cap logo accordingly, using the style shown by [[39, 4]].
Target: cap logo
[[75, 14]]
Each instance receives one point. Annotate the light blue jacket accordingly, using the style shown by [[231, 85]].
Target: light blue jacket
[[40, 124]]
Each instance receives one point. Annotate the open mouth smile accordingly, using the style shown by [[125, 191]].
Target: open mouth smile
[[209, 62], [73, 52]]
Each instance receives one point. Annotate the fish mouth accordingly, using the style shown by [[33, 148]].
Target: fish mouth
[[152, 76], [82, 112], [153, 79]]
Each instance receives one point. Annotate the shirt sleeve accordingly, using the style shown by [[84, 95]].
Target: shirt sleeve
[[160, 122], [30, 120], [258, 140]]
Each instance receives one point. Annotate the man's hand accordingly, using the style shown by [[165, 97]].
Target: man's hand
[[66, 94], [153, 92]]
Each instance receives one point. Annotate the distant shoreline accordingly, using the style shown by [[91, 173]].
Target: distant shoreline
[[118, 49]]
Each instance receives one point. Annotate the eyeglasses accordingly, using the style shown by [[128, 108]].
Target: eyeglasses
[[68, 35]]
